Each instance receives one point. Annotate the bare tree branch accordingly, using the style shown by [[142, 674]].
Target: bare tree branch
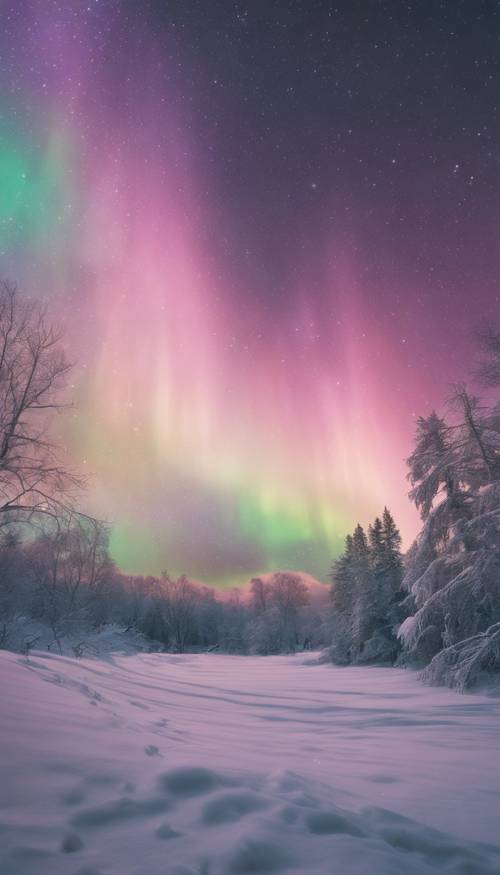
[[33, 371]]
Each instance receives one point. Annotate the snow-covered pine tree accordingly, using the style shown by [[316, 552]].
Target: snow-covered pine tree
[[365, 606], [379, 569], [366, 586], [436, 474], [393, 559], [341, 576], [384, 591], [453, 568], [476, 439], [433, 465], [342, 602], [376, 543]]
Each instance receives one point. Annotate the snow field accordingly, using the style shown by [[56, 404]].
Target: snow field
[[220, 765]]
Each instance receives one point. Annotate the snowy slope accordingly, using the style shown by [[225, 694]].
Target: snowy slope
[[223, 765]]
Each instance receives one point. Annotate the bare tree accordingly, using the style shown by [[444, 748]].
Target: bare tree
[[12, 581], [179, 609], [259, 592], [70, 568], [288, 593], [33, 370]]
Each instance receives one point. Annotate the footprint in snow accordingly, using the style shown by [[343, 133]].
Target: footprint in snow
[[73, 797], [165, 831], [189, 781], [71, 843], [119, 810], [331, 823], [254, 856], [232, 806]]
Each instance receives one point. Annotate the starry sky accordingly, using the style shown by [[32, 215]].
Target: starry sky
[[269, 231]]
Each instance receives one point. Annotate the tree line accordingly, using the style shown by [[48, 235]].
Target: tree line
[[58, 587]]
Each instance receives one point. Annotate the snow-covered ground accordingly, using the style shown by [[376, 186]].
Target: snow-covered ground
[[222, 765]]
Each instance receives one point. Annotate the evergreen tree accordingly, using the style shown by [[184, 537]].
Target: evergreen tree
[[379, 569], [341, 575], [476, 439], [391, 544], [433, 464], [393, 572], [376, 542], [360, 545], [364, 591], [366, 585]]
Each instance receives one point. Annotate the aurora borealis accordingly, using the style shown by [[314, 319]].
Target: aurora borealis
[[269, 232]]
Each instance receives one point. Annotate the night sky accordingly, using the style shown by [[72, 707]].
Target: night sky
[[269, 231]]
